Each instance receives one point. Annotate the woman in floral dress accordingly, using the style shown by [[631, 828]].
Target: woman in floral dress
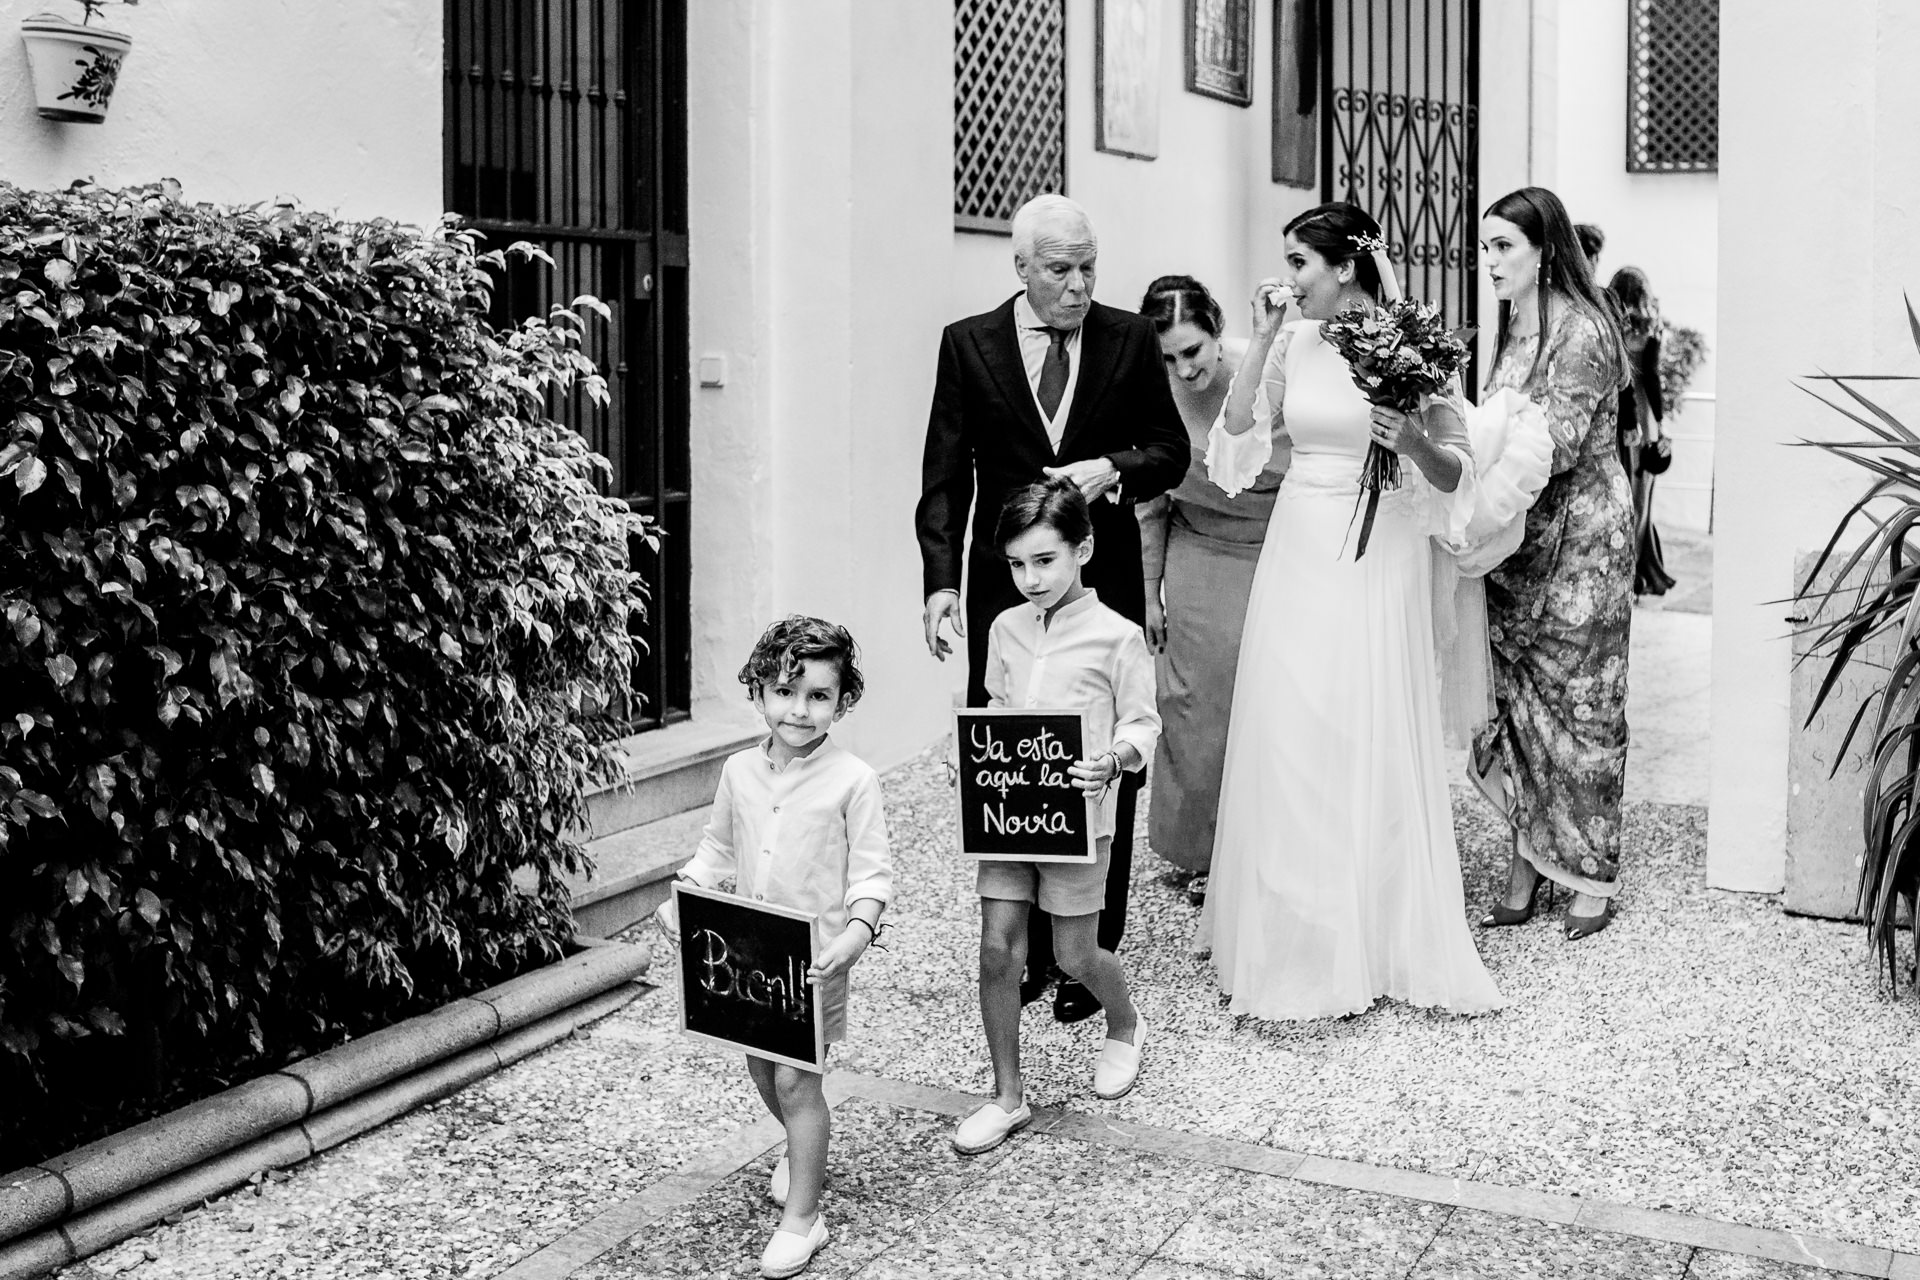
[[1554, 758]]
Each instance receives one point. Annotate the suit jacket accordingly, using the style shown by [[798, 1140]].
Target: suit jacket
[[985, 438]]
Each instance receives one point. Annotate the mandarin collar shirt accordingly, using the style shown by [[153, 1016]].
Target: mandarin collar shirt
[[1036, 337], [1090, 659], [811, 836]]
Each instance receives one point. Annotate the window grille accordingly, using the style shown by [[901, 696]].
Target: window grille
[[1009, 108], [565, 125], [1673, 86]]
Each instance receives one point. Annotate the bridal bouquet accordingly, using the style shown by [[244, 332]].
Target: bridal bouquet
[[1400, 353]]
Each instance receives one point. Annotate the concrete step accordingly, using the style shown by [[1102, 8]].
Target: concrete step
[[668, 771], [632, 869]]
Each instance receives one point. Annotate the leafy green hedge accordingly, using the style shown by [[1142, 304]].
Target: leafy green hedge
[[302, 597]]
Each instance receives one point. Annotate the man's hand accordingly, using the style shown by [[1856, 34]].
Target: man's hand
[[840, 954], [1156, 624], [943, 606], [1094, 476]]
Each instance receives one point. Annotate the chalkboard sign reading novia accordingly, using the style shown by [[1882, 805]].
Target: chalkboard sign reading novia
[[743, 977], [1017, 800]]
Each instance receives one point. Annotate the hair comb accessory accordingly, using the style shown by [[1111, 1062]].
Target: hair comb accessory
[[1376, 246]]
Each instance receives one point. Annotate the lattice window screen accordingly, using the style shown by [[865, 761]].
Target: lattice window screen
[[1673, 86], [1009, 108]]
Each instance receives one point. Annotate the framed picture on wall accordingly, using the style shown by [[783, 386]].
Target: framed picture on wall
[[1126, 77], [1220, 49], [1296, 93]]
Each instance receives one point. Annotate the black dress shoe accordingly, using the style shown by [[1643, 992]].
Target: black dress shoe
[[1073, 1002], [1033, 986]]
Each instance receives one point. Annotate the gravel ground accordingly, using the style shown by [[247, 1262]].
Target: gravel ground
[[1707, 1054]]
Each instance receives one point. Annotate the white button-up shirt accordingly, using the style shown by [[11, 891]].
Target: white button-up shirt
[[1035, 340], [1090, 659], [811, 836]]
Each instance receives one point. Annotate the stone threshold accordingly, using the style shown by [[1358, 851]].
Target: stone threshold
[[564, 1256]]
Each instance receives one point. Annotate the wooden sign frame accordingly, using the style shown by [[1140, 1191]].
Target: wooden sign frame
[[682, 892], [961, 715]]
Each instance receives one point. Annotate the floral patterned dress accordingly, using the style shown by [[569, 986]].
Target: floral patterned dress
[[1554, 759]]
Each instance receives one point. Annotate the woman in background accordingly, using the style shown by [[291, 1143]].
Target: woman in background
[[1198, 548], [1645, 448]]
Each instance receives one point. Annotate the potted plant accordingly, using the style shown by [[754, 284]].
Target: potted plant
[[75, 64], [1873, 594]]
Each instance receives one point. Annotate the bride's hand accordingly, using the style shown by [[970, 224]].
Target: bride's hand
[[1270, 299], [1395, 430]]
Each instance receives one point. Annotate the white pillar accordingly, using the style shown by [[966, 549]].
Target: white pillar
[[1817, 241]]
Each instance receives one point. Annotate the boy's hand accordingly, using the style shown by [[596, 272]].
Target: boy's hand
[[1096, 774], [840, 954], [669, 917]]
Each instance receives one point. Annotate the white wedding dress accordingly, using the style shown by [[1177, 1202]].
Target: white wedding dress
[[1335, 875]]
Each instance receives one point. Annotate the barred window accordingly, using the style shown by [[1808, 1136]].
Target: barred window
[[1009, 108], [1673, 86]]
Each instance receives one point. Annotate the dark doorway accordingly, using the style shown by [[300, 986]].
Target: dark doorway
[[566, 127]]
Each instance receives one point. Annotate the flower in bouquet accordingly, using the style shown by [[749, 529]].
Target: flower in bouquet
[[1400, 352]]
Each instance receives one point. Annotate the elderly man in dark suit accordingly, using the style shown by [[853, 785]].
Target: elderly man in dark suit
[[1048, 383]]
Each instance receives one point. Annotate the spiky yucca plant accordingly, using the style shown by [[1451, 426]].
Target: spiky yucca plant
[[1885, 569]]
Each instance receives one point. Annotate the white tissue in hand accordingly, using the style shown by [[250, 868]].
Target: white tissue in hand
[[1513, 460]]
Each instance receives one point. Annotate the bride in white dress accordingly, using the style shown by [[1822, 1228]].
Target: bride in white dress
[[1336, 879]]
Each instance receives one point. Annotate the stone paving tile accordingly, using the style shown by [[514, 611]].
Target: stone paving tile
[[888, 1169], [1711, 1265], [1490, 1247], [1265, 1226], [1060, 1207], [1160, 1269]]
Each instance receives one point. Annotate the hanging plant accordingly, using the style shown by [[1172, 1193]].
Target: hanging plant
[[1682, 352], [75, 64]]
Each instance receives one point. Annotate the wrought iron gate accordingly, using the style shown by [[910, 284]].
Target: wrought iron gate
[[566, 126], [1400, 130]]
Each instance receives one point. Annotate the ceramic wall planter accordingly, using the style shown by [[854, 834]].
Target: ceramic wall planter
[[74, 66]]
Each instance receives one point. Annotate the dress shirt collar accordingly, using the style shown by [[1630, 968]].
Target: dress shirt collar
[[826, 748], [1025, 317], [1067, 611]]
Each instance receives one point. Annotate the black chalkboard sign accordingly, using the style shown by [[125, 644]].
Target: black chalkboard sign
[[743, 977], [1017, 803]]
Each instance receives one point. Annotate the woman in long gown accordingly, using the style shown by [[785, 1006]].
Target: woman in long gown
[[1554, 759], [1643, 432], [1336, 879], [1198, 548]]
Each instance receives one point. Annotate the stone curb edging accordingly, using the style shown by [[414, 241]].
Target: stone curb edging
[[295, 1112]]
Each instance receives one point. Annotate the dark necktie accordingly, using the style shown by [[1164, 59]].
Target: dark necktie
[[1053, 373]]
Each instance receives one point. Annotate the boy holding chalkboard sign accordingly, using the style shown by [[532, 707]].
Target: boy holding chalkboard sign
[[797, 822], [1063, 650]]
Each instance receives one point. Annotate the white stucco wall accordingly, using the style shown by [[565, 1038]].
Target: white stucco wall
[[820, 190], [1206, 207], [1818, 238], [337, 104], [1664, 223]]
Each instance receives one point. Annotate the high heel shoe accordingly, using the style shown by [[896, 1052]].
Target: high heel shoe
[[1502, 915], [1579, 927]]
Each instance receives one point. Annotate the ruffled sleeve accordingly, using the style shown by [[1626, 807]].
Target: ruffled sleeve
[[1446, 421], [1235, 462], [1513, 450]]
